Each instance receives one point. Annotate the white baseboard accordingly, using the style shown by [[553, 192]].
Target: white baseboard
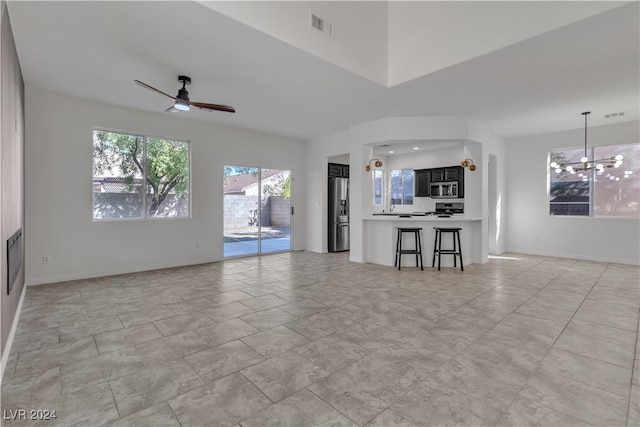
[[14, 327], [575, 256]]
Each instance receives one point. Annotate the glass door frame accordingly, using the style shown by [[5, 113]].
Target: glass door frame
[[261, 197]]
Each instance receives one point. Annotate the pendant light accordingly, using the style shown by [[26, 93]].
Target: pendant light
[[585, 163]]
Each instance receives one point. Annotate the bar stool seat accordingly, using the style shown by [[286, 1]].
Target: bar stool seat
[[417, 250], [456, 251]]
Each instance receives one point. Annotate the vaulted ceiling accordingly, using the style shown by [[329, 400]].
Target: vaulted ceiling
[[522, 68]]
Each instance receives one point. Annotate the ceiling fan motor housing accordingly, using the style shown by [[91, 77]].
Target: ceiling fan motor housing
[[183, 93]]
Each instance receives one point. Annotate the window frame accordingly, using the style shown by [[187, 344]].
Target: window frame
[[403, 185], [145, 194], [590, 179], [373, 186]]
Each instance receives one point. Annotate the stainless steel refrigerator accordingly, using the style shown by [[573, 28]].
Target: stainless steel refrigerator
[[338, 214]]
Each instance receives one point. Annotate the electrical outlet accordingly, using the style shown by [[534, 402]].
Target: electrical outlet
[[46, 259]]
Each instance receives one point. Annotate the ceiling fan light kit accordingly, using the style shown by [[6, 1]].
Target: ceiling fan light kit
[[182, 101]]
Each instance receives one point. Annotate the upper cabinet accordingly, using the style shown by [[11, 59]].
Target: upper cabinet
[[449, 174], [426, 177], [423, 179]]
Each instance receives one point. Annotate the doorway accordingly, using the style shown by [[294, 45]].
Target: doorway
[[257, 210], [495, 208]]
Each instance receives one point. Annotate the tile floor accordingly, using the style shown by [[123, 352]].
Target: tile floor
[[302, 339]]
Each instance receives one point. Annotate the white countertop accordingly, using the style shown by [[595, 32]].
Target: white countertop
[[420, 218]]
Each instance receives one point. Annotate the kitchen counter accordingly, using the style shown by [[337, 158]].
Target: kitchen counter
[[380, 237], [418, 217]]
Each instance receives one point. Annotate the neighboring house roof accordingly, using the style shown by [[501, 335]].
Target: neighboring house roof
[[113, 184], [238, 183]]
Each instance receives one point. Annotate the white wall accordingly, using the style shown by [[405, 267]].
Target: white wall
[[427, 36], [530, 228], [319, 151], [359, 43], [58, 190], [359, 141], [424, 159]]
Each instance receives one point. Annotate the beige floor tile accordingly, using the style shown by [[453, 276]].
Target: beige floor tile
[[633, 418], [269, 318], [228, 311], [531, 309], [55, 355], [144, 316], [300, 409], [332, 352], [365, 388], [397, 348], [264, 302], [224, 402], [98, 369], [226, 331], [35, 340], [605, 333], [524, 412], [274, 341], [603, 375], [283, 375], [155, 416], [389, 418], [223, 360], [73, 331], [122, 338], [607, 319], [595, 349], [584, 402], [229, 297], [442, 405], [183, 322], [145, 388], [172, 347], [304, 307], [521, 338], [18, 393]]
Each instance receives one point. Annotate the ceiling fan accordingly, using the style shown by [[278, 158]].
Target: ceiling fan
[[182, 102]]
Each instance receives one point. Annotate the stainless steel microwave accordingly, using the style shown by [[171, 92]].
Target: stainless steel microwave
[[443, 190]]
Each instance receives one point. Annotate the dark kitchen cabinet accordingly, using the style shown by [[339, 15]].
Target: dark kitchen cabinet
[[423, 179], [437, 175], [452, 174], [449, 174], [338, 170]]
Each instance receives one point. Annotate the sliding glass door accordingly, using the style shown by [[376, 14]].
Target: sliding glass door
[[257, 210]]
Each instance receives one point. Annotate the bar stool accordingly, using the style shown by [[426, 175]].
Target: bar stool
[[437, 246], [417, 251]]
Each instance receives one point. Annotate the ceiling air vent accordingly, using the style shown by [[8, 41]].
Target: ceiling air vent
[[614, 115], [320, 24]]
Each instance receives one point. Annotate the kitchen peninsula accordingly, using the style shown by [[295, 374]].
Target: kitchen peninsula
[[380, 237]]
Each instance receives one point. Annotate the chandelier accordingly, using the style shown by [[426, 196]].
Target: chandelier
[[585, 164]]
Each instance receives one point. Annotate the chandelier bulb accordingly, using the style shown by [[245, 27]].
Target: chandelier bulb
[[584, 159]]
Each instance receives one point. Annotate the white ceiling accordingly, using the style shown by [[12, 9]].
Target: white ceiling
[[526, 86]]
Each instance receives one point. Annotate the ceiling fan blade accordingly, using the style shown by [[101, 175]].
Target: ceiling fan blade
[[216, 107], [154, 89]]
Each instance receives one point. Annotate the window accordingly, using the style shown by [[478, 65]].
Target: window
[[378, 187], [613, 192], [136, 176], [402, 187]]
